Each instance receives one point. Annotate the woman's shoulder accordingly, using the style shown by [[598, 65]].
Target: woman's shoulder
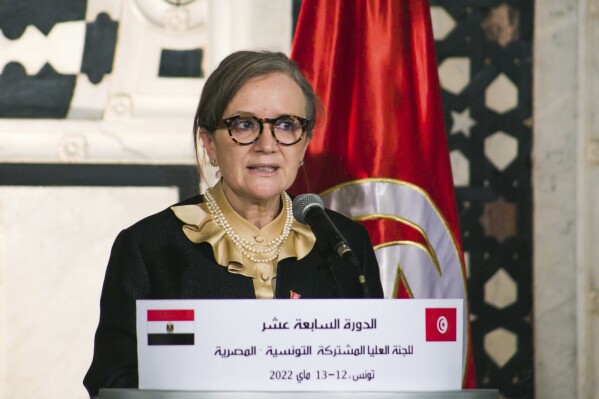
[[355, 233], [341, 220], [163, 220]]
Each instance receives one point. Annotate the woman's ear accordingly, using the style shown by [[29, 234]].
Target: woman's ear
[[207, 140], [305, 147]]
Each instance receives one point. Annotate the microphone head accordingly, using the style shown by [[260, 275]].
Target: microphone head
[[302, 203]]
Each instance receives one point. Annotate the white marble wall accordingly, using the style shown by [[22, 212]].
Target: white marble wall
[[54, 247], [566, 187]]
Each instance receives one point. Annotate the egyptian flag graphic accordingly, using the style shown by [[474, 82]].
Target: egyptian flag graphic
[[171, 327]]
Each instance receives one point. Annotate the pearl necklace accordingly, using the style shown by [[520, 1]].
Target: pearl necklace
[[245, 246]]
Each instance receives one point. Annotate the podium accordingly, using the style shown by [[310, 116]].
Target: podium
[[124, 393]]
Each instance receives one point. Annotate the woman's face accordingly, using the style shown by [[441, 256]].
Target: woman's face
[[259, 172]]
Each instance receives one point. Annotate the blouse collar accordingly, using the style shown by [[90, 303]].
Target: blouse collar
[[200, 226]]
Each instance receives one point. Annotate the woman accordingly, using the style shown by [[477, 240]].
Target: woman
[[239, 240]]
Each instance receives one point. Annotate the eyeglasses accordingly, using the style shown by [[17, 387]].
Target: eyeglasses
[[245, 129]]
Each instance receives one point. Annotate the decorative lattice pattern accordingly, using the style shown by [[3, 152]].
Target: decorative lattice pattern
[[484, 57]]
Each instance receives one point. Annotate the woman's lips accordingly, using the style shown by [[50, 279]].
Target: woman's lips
[[263, 168]]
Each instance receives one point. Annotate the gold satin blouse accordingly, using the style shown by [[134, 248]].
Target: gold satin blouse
[[200, 226]]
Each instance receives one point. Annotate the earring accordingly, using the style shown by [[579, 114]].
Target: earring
[[301, 163], [218, 174], [213, 162]]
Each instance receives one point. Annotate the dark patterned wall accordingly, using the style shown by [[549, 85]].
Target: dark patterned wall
[[495, 206], [47, 93]]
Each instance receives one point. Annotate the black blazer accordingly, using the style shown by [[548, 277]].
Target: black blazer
[[153, 259]]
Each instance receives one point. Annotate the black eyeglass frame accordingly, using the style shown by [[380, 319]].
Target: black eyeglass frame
[[227, 122]]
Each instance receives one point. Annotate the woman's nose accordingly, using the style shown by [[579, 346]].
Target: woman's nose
[[266, 141]]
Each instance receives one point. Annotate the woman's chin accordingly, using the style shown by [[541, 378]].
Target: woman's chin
[[265, 192], [265, 195]]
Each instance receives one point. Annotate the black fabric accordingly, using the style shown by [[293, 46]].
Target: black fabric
[[153, 259]]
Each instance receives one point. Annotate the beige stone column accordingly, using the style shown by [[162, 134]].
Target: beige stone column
[[566, 198]]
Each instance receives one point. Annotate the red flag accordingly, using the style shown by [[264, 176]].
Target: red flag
[[380, 155]]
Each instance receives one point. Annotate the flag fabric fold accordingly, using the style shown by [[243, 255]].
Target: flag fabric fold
[[380, 153]]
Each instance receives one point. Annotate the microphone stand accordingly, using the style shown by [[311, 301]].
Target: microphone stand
[[350, 260], [347, 257], [330, 259]]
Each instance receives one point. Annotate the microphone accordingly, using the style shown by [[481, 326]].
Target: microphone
[[309, 209]]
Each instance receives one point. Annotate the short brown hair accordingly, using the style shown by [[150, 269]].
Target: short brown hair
[[233, 72]]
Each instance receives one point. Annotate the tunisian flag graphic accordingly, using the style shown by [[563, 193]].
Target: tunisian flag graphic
[[380, 154]]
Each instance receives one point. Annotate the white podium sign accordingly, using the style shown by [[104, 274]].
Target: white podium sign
[[300, 345]]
